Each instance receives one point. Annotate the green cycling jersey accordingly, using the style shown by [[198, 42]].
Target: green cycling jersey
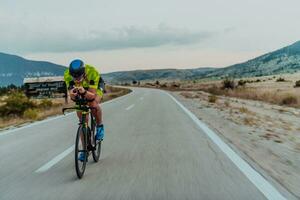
[[91, 80]]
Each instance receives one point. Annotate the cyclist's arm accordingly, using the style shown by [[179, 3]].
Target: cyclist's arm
[[70, 84], [72, 93]]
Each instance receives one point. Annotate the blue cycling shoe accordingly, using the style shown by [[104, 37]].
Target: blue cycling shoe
[[81, 156], [100, 132]]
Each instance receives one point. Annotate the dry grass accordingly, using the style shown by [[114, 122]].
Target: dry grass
[[189, 95], [278, 90], [289, 99], [280, 93], [250, 121], [212, 99], [244, 110]]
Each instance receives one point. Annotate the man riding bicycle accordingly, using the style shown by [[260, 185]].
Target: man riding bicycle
[[84, 80]]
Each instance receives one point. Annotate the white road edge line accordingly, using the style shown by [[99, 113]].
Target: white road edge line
[[55, 160], [6, 132], [257, 179], [130, 107]]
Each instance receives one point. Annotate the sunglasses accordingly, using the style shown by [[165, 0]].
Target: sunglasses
[[79, 78]]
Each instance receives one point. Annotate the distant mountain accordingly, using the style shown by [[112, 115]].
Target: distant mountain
[[13, 69], [157, 74], [285, 60]]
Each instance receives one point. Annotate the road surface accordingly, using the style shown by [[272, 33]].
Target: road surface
[[152, 150]]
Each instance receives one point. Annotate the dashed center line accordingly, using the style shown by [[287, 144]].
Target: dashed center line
[[130, 107], [65, 153], [55, 160]]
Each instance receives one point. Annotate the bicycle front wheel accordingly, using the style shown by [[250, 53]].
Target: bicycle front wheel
[[81, 152]]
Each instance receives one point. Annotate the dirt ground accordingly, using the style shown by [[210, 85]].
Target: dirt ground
[[268, 134]]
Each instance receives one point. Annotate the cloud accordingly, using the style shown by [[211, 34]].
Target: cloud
[[33, 41]]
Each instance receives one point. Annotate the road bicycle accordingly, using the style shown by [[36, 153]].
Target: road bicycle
[[85, 139]]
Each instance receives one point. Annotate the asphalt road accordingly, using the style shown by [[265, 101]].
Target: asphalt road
[[152, 150]]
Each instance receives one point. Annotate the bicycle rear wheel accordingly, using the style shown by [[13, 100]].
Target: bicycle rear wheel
[[80, 147], [97, 144], [97, 151]]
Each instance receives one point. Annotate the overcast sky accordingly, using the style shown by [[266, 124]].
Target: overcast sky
[[137, 34]]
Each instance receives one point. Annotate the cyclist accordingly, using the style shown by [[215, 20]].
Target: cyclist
[[82, 79]]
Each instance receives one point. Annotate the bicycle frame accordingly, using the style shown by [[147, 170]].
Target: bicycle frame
[[88, 143]]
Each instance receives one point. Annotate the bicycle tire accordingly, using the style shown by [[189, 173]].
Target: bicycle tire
[[97, 144], [80, 165]]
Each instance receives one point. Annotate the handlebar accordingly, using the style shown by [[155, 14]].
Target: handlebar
[[81, 103], [82, 108]]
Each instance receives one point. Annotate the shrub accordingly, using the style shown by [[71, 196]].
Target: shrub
[[212, 98], [16, 104], [214, 89], [297, 83], [134, 82], [45, 103], [164, 85], [30, 114], [280, 79], [242, 83], [228, 83], [176, 85], [149, 84], [289, 100]]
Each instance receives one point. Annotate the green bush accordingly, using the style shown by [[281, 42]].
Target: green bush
[[30, 114], [16, 104]]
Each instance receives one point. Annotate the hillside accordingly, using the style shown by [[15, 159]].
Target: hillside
[[285, 60], [13, 69], [159, 74]]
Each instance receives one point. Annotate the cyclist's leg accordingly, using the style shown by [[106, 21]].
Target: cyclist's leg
[[79, 117], [97, 113]]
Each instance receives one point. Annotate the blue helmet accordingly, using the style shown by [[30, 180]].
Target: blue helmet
[[76, 68]]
